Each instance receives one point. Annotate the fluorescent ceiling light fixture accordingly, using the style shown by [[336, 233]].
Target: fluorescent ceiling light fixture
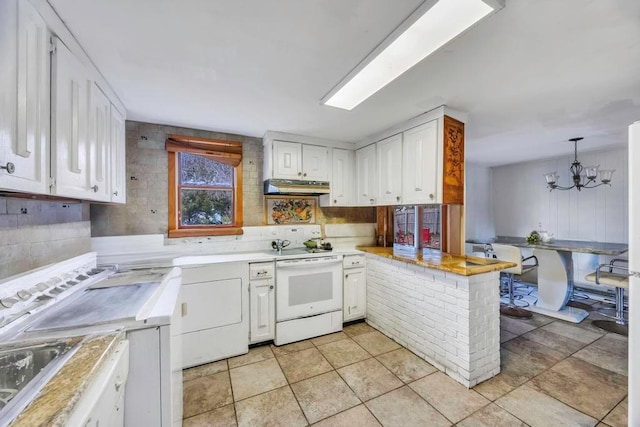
[[429, 28]]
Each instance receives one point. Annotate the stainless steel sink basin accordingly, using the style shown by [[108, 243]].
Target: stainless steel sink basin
[[24, 370]]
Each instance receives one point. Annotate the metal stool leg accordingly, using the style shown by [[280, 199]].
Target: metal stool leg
[[620, 324], [511, 309]]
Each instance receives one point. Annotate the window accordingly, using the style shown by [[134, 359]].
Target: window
[[205, 186]]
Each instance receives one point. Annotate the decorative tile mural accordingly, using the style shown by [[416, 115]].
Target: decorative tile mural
[[290, 210]]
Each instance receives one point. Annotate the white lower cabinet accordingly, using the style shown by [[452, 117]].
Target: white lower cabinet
[[355, 288], [102, 404], [262, 312]]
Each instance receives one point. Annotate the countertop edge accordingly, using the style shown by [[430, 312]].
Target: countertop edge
[[448, 263]]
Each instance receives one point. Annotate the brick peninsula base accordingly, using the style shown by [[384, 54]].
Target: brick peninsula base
[[450, 320]]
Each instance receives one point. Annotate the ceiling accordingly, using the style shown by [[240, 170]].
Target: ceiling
[[530, 77]]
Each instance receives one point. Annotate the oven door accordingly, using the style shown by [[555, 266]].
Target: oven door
[[308, 286]]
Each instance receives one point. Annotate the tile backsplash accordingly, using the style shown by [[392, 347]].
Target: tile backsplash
[[34, 233], [146, 210]]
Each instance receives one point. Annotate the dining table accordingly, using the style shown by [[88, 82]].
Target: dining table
[[556, 272]]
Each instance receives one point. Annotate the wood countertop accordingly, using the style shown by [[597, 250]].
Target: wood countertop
[[460, 265], [55, 402]]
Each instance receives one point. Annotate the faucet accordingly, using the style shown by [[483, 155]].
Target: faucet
[[278, 245]]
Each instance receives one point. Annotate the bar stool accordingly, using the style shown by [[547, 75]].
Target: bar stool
[[512, 254], [620, 281]]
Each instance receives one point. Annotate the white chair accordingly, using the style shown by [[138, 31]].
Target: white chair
[[617, 276], [512, 254]]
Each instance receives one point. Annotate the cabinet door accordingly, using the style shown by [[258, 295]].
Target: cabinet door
[[69, 147], [366, 176], [211, 304], [355, 298], [118, 165], [315, 162], [389, 153], [24, 114], [342, 177], [420, 164], [263, 316], [287, 160], [99, 145]]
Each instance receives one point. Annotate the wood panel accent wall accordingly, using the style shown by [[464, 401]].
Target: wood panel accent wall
[[384, 226], [453, 162]]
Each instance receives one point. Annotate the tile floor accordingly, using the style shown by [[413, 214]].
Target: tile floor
[[554, 373]]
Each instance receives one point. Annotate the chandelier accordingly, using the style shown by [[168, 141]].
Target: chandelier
[[583, 177]]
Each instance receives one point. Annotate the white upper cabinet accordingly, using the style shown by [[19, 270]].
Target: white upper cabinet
[[99, 145], [287, 160], [118, 159], [366, 174], [389, 154], [69, 130], [24, 113], [315, 162], [292, 160], [342, 178], [420, 164], [56, 129]]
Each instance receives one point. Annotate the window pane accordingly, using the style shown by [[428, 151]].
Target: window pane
[[206, 207], [201, 170]]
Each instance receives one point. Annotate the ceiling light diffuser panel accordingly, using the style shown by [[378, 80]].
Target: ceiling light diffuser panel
[[429, 28]]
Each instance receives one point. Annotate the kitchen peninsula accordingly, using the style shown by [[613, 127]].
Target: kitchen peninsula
[[444, 308]]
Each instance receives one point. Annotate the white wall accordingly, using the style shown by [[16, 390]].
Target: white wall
[[521, 199], [479, 213]]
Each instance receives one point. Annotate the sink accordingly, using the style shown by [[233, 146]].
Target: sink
[[24, 370]]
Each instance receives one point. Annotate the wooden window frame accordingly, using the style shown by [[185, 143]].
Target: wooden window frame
[[224, 151]]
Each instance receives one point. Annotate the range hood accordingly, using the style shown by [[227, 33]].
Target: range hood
[[292, 186]]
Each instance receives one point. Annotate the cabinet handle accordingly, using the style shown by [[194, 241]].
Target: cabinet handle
[[398, 198], [418, 189], [335, 201], [372, 201], [431, 196], [115, 193], [346, 276], [299, 173], [183, 309], [271, 287], [10, 168], [118, 384], [388, 192], [304, 174], [95, 188]]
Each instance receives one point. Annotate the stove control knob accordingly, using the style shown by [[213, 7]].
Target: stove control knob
[[24, 294], [8, 302]]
